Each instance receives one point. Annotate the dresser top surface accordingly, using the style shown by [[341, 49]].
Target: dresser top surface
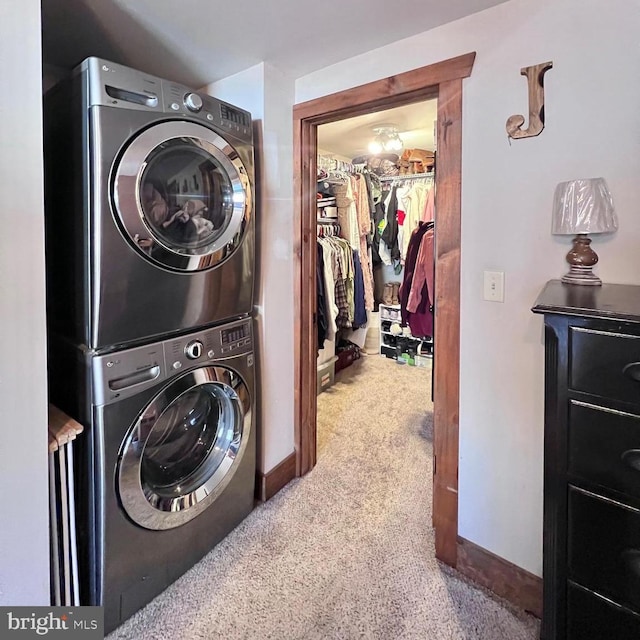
[[612, 301]]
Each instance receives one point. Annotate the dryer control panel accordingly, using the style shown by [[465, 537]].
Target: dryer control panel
[[121, 374], [114, 85]]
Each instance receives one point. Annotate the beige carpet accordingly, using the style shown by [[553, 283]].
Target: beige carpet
[[347, 551]]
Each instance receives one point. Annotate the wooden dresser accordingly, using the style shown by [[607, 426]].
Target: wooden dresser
[[591, 564]]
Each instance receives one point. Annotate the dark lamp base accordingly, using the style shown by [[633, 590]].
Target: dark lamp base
[[581, 259]]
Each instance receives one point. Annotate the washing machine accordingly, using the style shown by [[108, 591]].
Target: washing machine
[[150, 226], [166, 466]]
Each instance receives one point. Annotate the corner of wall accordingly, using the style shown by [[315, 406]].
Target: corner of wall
[[267, 93]]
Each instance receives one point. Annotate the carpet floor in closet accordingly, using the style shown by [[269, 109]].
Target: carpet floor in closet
[[347, 552]]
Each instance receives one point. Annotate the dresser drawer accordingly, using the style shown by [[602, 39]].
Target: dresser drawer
[[605, 364], [604, 447], [604, 547], [590, 617]]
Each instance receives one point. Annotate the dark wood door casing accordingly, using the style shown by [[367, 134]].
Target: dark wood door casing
[[443, 81]]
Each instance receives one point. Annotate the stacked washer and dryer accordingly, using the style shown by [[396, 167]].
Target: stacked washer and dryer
[[150, 267]]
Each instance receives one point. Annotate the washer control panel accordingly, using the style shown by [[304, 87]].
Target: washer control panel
[[194, 349], [119, 375], [193, 102], [235, 338], [216, 343]]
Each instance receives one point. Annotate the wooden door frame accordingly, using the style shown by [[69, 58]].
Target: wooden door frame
[[443, 81]]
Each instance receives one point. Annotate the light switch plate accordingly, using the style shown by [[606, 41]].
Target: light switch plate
[[494, 286]]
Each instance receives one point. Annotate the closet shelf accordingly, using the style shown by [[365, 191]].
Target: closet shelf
[[392, 313], [401, 335]]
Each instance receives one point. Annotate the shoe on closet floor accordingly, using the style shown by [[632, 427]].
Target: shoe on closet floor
[[387, 296], [395, 293]]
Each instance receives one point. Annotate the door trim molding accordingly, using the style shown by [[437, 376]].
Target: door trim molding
[[442, 80], [504, 578], [268, 484]]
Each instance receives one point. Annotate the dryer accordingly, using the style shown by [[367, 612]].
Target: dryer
[[149, 207], [166, 466]]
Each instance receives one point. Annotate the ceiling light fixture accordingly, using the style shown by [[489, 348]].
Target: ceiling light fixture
[[387, 139]]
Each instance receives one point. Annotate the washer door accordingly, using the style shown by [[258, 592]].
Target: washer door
[[182, 196], [184, 448]]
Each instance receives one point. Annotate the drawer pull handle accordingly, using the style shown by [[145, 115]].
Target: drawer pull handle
[[632, 370], [631, 458], [631, 559]]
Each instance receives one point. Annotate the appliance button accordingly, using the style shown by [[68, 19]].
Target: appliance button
[[177, 364], [193, 350], [209, 117], [210, 353], [175, 106], [193, 102]]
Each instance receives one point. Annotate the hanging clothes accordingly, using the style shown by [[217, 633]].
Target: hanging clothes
[[347, 214], [430, 206], [416, 201], [413, 202], [389, 235], [364, 230], [321, 297], [344, 286], [360, 312], [420, 321], [423, 274], [330, 289], [418, 206], [340, 278], [401, 214], [351, 257], [377, 218]]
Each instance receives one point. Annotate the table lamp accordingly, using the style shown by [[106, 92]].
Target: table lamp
[[582, 207]]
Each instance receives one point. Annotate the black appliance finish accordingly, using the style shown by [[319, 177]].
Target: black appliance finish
[[591, 565]]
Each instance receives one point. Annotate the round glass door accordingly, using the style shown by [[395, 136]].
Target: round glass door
[[182, 196], [184, 448]]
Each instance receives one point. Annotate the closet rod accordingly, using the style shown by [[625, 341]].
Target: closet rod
[[408, 176]]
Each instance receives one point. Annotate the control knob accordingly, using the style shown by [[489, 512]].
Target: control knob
[[193, 350], [193, 102]]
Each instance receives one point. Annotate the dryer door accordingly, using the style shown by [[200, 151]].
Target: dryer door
[[182, 196], [184, 448]]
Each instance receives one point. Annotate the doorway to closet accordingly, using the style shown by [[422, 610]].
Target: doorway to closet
[[375, 269], [443, 81]]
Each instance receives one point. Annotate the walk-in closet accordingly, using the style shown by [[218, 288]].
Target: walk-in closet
[[375, 268]]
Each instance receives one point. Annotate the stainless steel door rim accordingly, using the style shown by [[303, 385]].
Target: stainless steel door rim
[[169, 477], [128, 176]]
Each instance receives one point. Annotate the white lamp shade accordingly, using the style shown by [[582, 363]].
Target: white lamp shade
[[583, 206]]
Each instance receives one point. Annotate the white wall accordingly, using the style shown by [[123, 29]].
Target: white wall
[[276, 289], [268, 94], [24, 534], [593, 129]]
